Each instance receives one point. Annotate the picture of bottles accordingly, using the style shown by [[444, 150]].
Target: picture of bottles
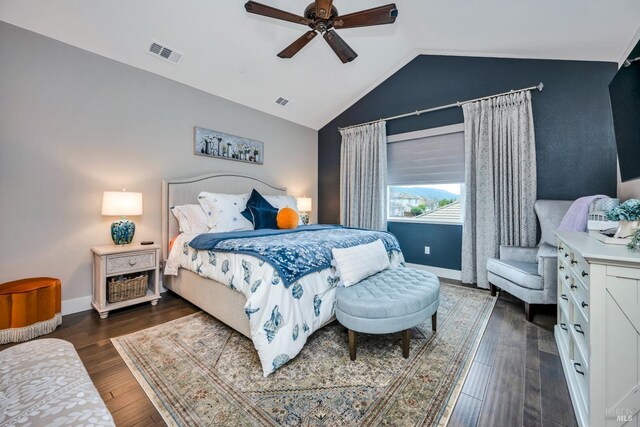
[[221, 145]]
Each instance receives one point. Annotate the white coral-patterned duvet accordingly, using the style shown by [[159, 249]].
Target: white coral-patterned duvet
[[281, 318]]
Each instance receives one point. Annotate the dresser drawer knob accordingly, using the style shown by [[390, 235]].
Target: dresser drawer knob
[[578, 328], [563, 326], [566, 255], [574, 287], [574, 262], [577, 368], [584, 304], [564, 297], [561, 267], [566, 277], [132, 262], [584, 274]]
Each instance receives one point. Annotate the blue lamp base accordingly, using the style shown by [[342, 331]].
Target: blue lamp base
[[305, 218], [122, 231]]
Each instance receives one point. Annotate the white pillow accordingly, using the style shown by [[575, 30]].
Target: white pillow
[[356, 263], [223, 211], [191, 219], [280, 202]]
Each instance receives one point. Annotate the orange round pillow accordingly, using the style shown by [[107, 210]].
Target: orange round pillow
[[287, 218]]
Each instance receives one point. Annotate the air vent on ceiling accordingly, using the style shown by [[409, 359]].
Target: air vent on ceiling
[[163, 52], [282, 101]]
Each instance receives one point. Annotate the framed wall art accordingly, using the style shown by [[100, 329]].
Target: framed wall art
[[220, 145]]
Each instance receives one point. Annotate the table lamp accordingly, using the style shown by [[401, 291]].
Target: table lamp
[[304, 206], [122, 203]]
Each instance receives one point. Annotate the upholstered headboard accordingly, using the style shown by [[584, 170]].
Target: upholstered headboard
[[185, 191]]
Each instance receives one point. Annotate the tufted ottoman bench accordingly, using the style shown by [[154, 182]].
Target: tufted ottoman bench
[[394, 300]]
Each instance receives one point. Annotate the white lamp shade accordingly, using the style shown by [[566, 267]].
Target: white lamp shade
[[121, 203], [304, 204]]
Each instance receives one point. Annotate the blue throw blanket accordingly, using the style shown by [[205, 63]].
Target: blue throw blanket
[[293, 253]]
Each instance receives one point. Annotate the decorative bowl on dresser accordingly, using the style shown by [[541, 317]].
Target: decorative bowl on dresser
[[118, 273], [598, 329]]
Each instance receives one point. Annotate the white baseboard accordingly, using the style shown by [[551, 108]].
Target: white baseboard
[[445, 273], [76, 305]]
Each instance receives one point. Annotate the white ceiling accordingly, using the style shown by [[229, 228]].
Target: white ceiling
[[232, 54]]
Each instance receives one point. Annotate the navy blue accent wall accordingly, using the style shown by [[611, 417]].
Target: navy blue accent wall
[[414, 237], [575, 143], [625, 104]]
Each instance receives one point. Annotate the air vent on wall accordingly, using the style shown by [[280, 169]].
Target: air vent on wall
[[163, 52], [282, 101]]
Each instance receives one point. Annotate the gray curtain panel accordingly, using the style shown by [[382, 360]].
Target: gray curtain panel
[[363, 176], [500, 181]]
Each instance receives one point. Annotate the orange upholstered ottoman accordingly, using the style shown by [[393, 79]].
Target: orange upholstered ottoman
[[29, 308]]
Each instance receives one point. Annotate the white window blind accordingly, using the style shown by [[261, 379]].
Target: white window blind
[[437, 159]]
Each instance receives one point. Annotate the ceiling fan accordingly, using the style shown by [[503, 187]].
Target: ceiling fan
[[323, 17]]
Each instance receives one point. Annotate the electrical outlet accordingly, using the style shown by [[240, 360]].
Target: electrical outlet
[[427, 250]]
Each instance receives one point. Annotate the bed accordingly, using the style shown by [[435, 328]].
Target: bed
[[246, 292]]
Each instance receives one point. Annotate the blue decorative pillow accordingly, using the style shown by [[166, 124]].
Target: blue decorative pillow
[[264, 217], [256, 201]]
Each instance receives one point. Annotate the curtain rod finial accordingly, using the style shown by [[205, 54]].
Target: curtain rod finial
[[540, 86]]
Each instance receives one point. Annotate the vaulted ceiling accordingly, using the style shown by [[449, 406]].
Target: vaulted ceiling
[[232, 54]]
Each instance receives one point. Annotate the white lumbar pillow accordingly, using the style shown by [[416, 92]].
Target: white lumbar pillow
[[191, 219], [356, 263], [223, 211]]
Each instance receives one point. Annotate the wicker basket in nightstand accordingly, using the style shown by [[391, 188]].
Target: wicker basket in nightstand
[[124, 288]]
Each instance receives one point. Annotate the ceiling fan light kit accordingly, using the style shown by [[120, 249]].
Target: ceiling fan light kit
[[322, 17]]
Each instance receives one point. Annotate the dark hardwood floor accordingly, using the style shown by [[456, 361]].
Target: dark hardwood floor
[[516, 378]]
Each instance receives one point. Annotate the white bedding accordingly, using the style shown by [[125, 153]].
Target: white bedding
[[278, 335]]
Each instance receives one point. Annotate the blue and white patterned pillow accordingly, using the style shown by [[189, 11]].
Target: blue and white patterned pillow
[[223, 211]]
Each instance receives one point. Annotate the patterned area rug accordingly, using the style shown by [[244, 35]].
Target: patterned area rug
[[198, 371]]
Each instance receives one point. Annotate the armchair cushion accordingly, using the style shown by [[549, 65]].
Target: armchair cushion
[[518, 253], [524, 274]]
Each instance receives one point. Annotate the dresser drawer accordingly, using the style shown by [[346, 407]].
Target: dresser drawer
[[580, 267], [580, 332], [581, 374], [123, 263], [564, 329], [563, 294], [580, 296]]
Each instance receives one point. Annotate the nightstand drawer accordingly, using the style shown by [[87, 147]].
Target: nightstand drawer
[[121, 263]]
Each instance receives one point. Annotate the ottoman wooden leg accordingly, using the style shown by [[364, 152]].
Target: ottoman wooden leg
[[406, 336], [434, 321], [352, 344]]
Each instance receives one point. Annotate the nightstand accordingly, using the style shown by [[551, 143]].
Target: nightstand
[[113, 261]]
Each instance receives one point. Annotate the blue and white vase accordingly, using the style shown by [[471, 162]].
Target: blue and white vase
[[122, 231]]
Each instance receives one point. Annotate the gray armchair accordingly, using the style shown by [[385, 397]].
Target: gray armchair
[[530, 274]]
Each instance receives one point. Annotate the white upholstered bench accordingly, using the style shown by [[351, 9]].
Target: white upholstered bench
[[44, 383]]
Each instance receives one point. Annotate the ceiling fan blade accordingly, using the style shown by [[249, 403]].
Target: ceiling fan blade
[[376, 16], [340, 47], [295, 47], [323, 8], [272, 12]]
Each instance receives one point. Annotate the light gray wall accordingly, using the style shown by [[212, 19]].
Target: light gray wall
[[74, 124]]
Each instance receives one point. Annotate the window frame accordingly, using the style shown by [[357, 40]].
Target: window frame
[[425, 133]]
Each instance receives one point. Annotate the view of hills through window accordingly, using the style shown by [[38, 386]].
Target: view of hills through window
[[441, 202]]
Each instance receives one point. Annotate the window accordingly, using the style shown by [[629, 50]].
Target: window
[[426, 175]]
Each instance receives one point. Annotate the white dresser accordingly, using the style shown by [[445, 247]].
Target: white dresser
[[598, 330]]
